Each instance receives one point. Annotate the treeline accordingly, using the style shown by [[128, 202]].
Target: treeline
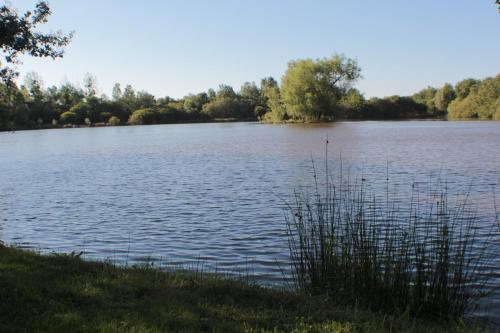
[[322, 89], [33, 106], [310, 90]]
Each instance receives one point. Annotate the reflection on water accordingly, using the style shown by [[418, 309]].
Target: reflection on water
[[216, 192]]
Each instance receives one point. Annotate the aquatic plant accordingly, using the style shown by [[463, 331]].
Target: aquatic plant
[[427, 259]]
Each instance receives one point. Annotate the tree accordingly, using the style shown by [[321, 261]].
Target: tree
[[443, 97], [252, 95], [476, 99], [275, 110], [68, 96], [128, 97], [211, 93], [427, 97], [113, 121], [143, 117], [79, 112], [227, 107], [226, 91], [18, 35], [69, 117], [353, 102], [90, 85], [143, 100], [312, 89], [463, 88], [34, 83], [116, 94], [194, 103]]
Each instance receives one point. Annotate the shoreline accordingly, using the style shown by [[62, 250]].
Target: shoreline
[[62, 292], [221, 121]]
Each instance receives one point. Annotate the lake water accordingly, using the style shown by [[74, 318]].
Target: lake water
[[214, 193]]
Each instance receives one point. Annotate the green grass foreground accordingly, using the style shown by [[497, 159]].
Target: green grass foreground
[[63, 293]]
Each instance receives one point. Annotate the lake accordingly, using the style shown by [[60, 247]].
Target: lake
[[213, 195]]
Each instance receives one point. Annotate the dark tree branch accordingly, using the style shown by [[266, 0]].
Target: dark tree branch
[[18, 36]]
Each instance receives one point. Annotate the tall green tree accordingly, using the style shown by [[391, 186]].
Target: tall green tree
[[463, 88], [311, 90], [90, 85], [427, 97], [444, 97], [274, 109], [476, 99], [252, 95], [116, 93]]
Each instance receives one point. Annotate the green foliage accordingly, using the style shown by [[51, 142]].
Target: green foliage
[[113, 121], [311, 90], [161, 115], [352, 104], [394, 107], [81, 111], [345, 244], [194, 103], [66, 96], [18, 36], [272, 98], [228, 104], [427, 97], [116, 93], [253, 96], [144, 117], [444, 97], [104, 117], [228, 107], [69, 117], [14, 110], [476, 99], [464, 87], [62, 293], [90, 85]]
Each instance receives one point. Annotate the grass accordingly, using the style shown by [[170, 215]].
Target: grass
[[62, 293], [425, 260]]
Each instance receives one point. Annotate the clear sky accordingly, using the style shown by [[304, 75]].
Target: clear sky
[[175, 47]]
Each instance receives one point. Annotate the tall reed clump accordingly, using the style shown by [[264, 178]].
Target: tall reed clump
[[425, 260]]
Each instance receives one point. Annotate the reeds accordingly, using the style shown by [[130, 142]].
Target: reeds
[[424, 260]]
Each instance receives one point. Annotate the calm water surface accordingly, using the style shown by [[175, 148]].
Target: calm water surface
[[214, 193]]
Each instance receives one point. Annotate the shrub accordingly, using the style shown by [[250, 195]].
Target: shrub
[[143, 117], [68, 117], [104, 116], [425, 260], [228, 107], [81, 111], [114, 121]]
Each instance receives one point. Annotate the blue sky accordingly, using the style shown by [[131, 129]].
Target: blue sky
[[177, 47]]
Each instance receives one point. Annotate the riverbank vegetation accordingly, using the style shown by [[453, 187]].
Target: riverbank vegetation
[[423, 256], [62, 293], [310, 91]]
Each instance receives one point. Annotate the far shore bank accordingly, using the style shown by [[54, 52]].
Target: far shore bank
[[234, 120]]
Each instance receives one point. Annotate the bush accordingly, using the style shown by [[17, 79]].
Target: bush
[[172, 115], [393, 107], [68, 117], [228, 107], [81, 111], [143, 117], [114, 121], [104, 116]]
